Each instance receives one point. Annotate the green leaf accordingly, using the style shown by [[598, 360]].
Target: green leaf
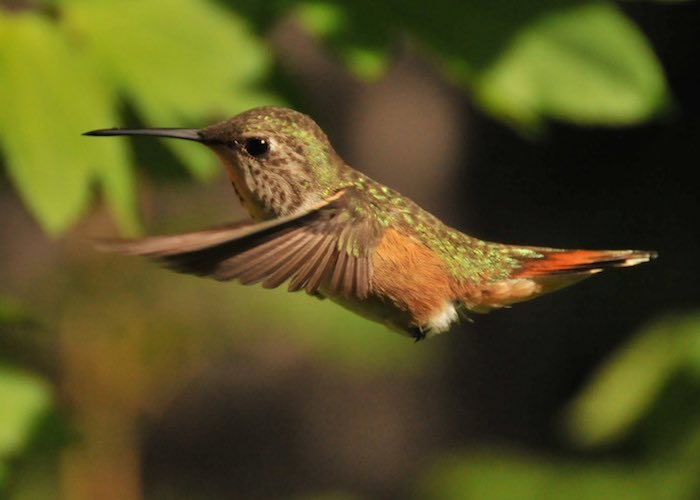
[[495, 475], [586, 63], [49, 95], [523, 61], [25, 398], [321, 18], [626, 386], [361, 40], [178, 61]]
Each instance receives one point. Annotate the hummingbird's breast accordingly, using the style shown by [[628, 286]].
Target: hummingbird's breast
[[413, 279]]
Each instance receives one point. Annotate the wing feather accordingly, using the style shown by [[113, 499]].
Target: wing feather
[[362, 277], [328, 246], [338, 272], [251, 269], [347, 286], [291, 263], [326, 263], [314, 262]]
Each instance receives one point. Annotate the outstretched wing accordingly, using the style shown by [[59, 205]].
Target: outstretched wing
[[329, 245]]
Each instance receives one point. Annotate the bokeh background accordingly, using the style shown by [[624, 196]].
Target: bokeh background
[[547, 122]]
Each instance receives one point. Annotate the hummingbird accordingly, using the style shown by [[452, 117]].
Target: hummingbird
[[330, 230]]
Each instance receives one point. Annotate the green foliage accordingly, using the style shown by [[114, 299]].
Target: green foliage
[[648, 392], [499, 474], [27, 423], [524, 61], [177, 62], [25, 398], [629, 384], [71, 66], [587, 64], [48, 95]]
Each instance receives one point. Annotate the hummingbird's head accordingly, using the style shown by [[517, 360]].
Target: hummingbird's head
[[279, 161]]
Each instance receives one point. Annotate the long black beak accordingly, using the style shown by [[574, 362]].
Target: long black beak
[[189, 134]]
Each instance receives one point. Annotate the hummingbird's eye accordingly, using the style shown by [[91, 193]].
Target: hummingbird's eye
[[255, 146]]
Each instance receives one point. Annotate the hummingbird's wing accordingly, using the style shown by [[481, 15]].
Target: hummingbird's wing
[[329, 245]]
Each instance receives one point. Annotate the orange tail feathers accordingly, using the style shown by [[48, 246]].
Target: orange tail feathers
[[558, 262], [557, 269], [548, 270]]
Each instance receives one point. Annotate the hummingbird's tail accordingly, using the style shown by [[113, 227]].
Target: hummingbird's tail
[[555, 269], [543, 270], [557, 262]]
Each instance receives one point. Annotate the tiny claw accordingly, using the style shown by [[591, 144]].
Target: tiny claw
[[417, 333]]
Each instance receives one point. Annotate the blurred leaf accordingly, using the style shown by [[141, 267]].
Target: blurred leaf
[[12, 313], [494, 475], [322, 18], [24, 398], [587, 64], [627, 385], [361, 40], [581, 62], [668, 427], [49, 95], [178, 61]]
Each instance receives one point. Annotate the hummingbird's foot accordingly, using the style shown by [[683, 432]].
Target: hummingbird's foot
[[417, 333]]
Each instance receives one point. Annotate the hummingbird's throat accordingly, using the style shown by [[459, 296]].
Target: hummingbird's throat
[[244, 185]]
